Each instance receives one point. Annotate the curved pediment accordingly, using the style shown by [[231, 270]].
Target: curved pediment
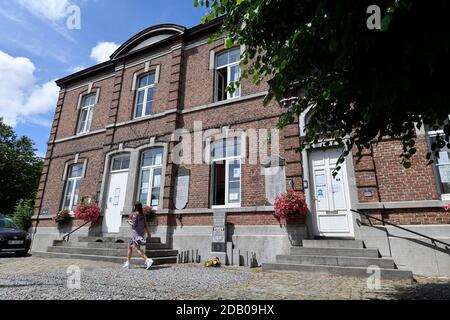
[[148, 37]]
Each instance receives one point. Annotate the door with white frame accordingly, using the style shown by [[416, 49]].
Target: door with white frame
[[330, 195], [116, 193]]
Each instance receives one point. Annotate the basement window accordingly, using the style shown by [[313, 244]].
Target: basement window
[[227, 72]]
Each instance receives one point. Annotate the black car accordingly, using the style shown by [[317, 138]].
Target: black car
[[13, 239]]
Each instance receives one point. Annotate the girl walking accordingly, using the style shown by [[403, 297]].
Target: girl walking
[[138, 223]]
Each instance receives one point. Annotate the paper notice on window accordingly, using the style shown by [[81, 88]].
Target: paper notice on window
[[320, 180], [444, 171], [321, 193], [236, 173], [234, 196]]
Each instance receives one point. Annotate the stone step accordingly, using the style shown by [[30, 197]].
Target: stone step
[[114, 239], [107, 245], [355, 244], [386, 274], [335, 252], [110, 252], [385, 263], [119, 260]]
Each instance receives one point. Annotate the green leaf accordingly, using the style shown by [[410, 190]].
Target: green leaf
[[228, 43]]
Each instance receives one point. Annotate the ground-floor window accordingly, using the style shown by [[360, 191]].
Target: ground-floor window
[[226, 173], [72, 189], [150, 177], [442, 163]]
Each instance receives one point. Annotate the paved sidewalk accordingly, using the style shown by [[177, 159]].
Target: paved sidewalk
[[36, 278]]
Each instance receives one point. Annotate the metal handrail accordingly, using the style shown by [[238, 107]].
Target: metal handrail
[[67, 236], [433, 240]]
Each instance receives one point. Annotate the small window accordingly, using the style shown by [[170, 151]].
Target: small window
[[144, 95], [226, 171], [227, 72], [121, 163], [72, 189], [150, 183], [86, 113]]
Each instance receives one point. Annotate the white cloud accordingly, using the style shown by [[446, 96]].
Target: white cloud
[[103, 50], [50, 9], [21, 98]]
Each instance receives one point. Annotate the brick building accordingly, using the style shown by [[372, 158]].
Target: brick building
[[119, 128]]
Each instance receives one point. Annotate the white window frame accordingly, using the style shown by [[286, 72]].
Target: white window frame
[[430, 135], [74, 181], [89, 116], [235, 94], [152, 169], [226, 160], [146, 90], [119, 157]]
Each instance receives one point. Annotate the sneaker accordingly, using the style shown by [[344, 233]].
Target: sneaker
[[126, 265], [148, 263]]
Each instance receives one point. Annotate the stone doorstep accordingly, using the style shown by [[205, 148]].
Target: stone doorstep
[[109, 252], [345, 252], [385, 274], [119, 260], [362, 262]]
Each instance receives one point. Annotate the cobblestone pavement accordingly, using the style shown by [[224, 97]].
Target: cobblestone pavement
[[36, 278]]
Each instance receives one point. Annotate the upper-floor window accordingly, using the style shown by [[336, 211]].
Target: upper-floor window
[[150, 181], [144, 95], [442, 164], [226, 173], [227, 72], [72, 190], [86, 112]]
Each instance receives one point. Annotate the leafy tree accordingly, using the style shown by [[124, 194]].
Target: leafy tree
[[23, 213], [365, 84], [20, 169]]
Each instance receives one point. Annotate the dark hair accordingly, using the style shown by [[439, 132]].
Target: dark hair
[[140, 209]]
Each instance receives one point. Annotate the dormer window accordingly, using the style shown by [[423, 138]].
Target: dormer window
[[227, 72], [86, 113], [144, 95]]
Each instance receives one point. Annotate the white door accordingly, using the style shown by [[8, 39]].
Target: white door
[[116, 194], [330, 195]]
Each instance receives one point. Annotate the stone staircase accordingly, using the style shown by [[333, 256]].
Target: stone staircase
[[337, 257], [109, 249]]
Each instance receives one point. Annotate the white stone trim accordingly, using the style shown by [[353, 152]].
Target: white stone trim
[[212, 60], [79, 136], [157, 73], [403, 205], [87, 83]]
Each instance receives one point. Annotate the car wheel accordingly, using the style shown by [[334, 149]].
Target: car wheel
[[21, 253]]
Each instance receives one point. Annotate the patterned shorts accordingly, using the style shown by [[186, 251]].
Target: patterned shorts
[[137, 242]]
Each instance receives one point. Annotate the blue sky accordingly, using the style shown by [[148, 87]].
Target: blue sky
[[37, 47]]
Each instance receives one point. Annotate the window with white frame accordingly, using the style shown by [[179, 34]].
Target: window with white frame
[[227, 72], [442, 163], [144, 95], [120, 163], [226, 173], [87, 108], [150, 181], [72, 190]]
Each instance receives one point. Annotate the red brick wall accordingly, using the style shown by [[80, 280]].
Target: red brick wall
[[381, 171]]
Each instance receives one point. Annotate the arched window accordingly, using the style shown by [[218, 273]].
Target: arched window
[[226, 173], [150, 180]]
